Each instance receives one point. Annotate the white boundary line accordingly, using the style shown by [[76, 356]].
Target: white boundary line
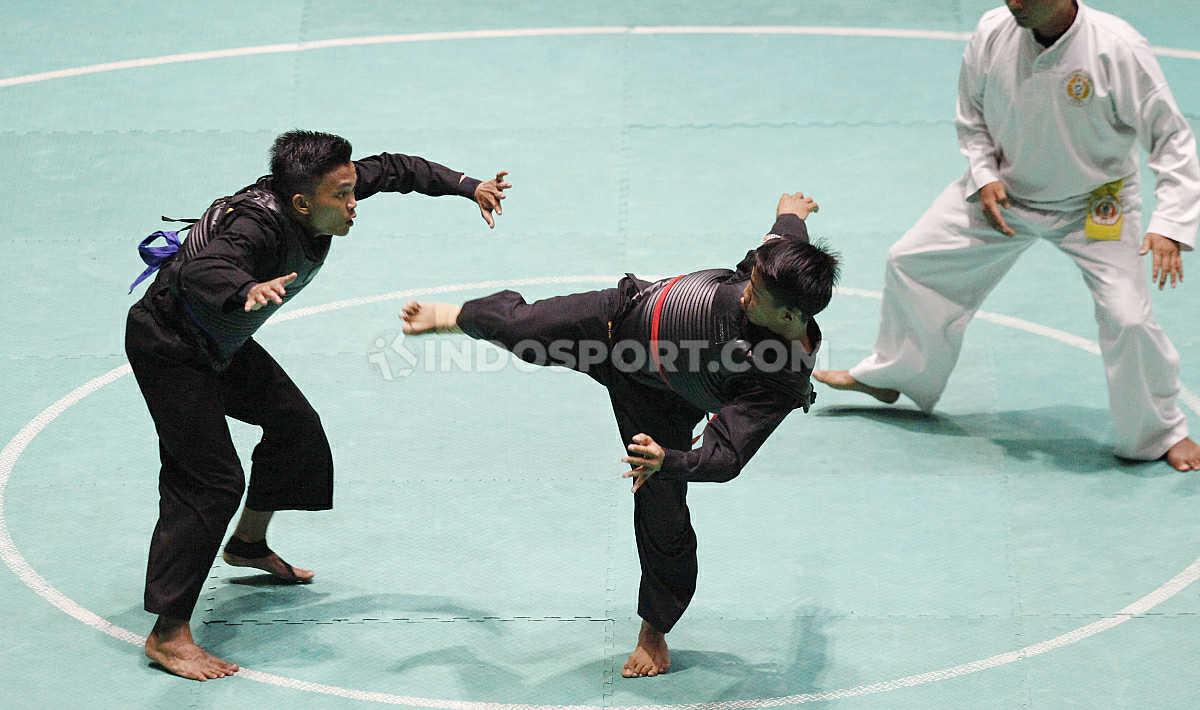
[[288, 47], [30, 578]]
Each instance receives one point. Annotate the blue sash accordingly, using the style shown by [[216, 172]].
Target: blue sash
[[155, 257]]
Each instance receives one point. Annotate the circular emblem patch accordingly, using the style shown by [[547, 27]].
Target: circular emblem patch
[[1106, 210], [1079, 88]]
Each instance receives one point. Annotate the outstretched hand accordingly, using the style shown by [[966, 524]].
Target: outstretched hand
[[1167, 259], [488, 196], [646, 457], [271, 291], [798, 204]]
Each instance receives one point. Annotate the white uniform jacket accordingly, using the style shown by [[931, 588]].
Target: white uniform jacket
[[1053, 124]]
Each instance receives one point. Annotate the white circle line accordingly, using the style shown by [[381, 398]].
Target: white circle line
[[30, 578], [308, 46]]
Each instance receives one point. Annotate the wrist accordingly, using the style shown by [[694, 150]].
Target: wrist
[[467, 186]]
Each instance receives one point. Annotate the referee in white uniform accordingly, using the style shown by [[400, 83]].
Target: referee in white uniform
[[1053, 100]]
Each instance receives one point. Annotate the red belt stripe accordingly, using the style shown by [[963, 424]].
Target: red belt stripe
[[655, 320]]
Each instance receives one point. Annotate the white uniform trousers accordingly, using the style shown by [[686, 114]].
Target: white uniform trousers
[[941, 270]]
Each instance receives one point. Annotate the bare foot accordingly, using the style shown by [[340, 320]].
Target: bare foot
[[171, 646], [650, 657], [1184, 455], [422, 318], [273, 564], [841, 380]]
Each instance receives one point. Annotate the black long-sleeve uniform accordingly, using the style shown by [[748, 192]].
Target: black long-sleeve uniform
[[191, 348], [752, 409]]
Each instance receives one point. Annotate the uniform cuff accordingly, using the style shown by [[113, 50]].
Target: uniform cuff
[[467, 186], [789, 225], [980, 176], [1185, 234], [673, 465], [238, 299]]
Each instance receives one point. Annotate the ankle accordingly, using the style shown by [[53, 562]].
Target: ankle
[[170, 629], [649, 633]]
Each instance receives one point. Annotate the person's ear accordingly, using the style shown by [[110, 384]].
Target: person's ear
[[792, 315], [301, 204]]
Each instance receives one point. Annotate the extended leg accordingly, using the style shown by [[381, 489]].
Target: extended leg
[[936, 277], [568, 331]]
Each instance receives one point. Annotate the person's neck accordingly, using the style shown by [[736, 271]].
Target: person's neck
[[795, 332], [303, 222], [1056, 27]]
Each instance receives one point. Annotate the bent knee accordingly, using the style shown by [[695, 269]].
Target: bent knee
[[219, 496], [1121, 314]]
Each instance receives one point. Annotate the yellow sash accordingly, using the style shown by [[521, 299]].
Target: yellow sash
[[1105, 214]]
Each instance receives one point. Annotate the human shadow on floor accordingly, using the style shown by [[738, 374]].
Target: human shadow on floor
[[695, 675], [262, 579], [288, 627], [515, 675], [708, 675], [1074, 439], [307, 604]]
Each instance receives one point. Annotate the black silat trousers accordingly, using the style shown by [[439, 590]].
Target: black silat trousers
[[201, 480], [666, 542]]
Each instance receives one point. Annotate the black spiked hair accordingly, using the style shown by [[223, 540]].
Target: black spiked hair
[[299, 159], [799, 275]]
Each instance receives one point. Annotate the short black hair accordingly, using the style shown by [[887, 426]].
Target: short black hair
[[799, 275], [299, 159]]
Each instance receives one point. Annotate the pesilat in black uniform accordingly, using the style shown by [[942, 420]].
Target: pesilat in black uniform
[[191, 347], [666, 399]]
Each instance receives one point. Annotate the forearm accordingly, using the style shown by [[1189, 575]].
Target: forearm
[[216, 282], [395, 172], [787, 226], [1172, 158], [223, 272], [703, 465], [731, 438], [976, 145], [974, 139]]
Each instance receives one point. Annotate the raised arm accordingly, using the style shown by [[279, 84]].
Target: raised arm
[[790, 213], [395, 172]]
